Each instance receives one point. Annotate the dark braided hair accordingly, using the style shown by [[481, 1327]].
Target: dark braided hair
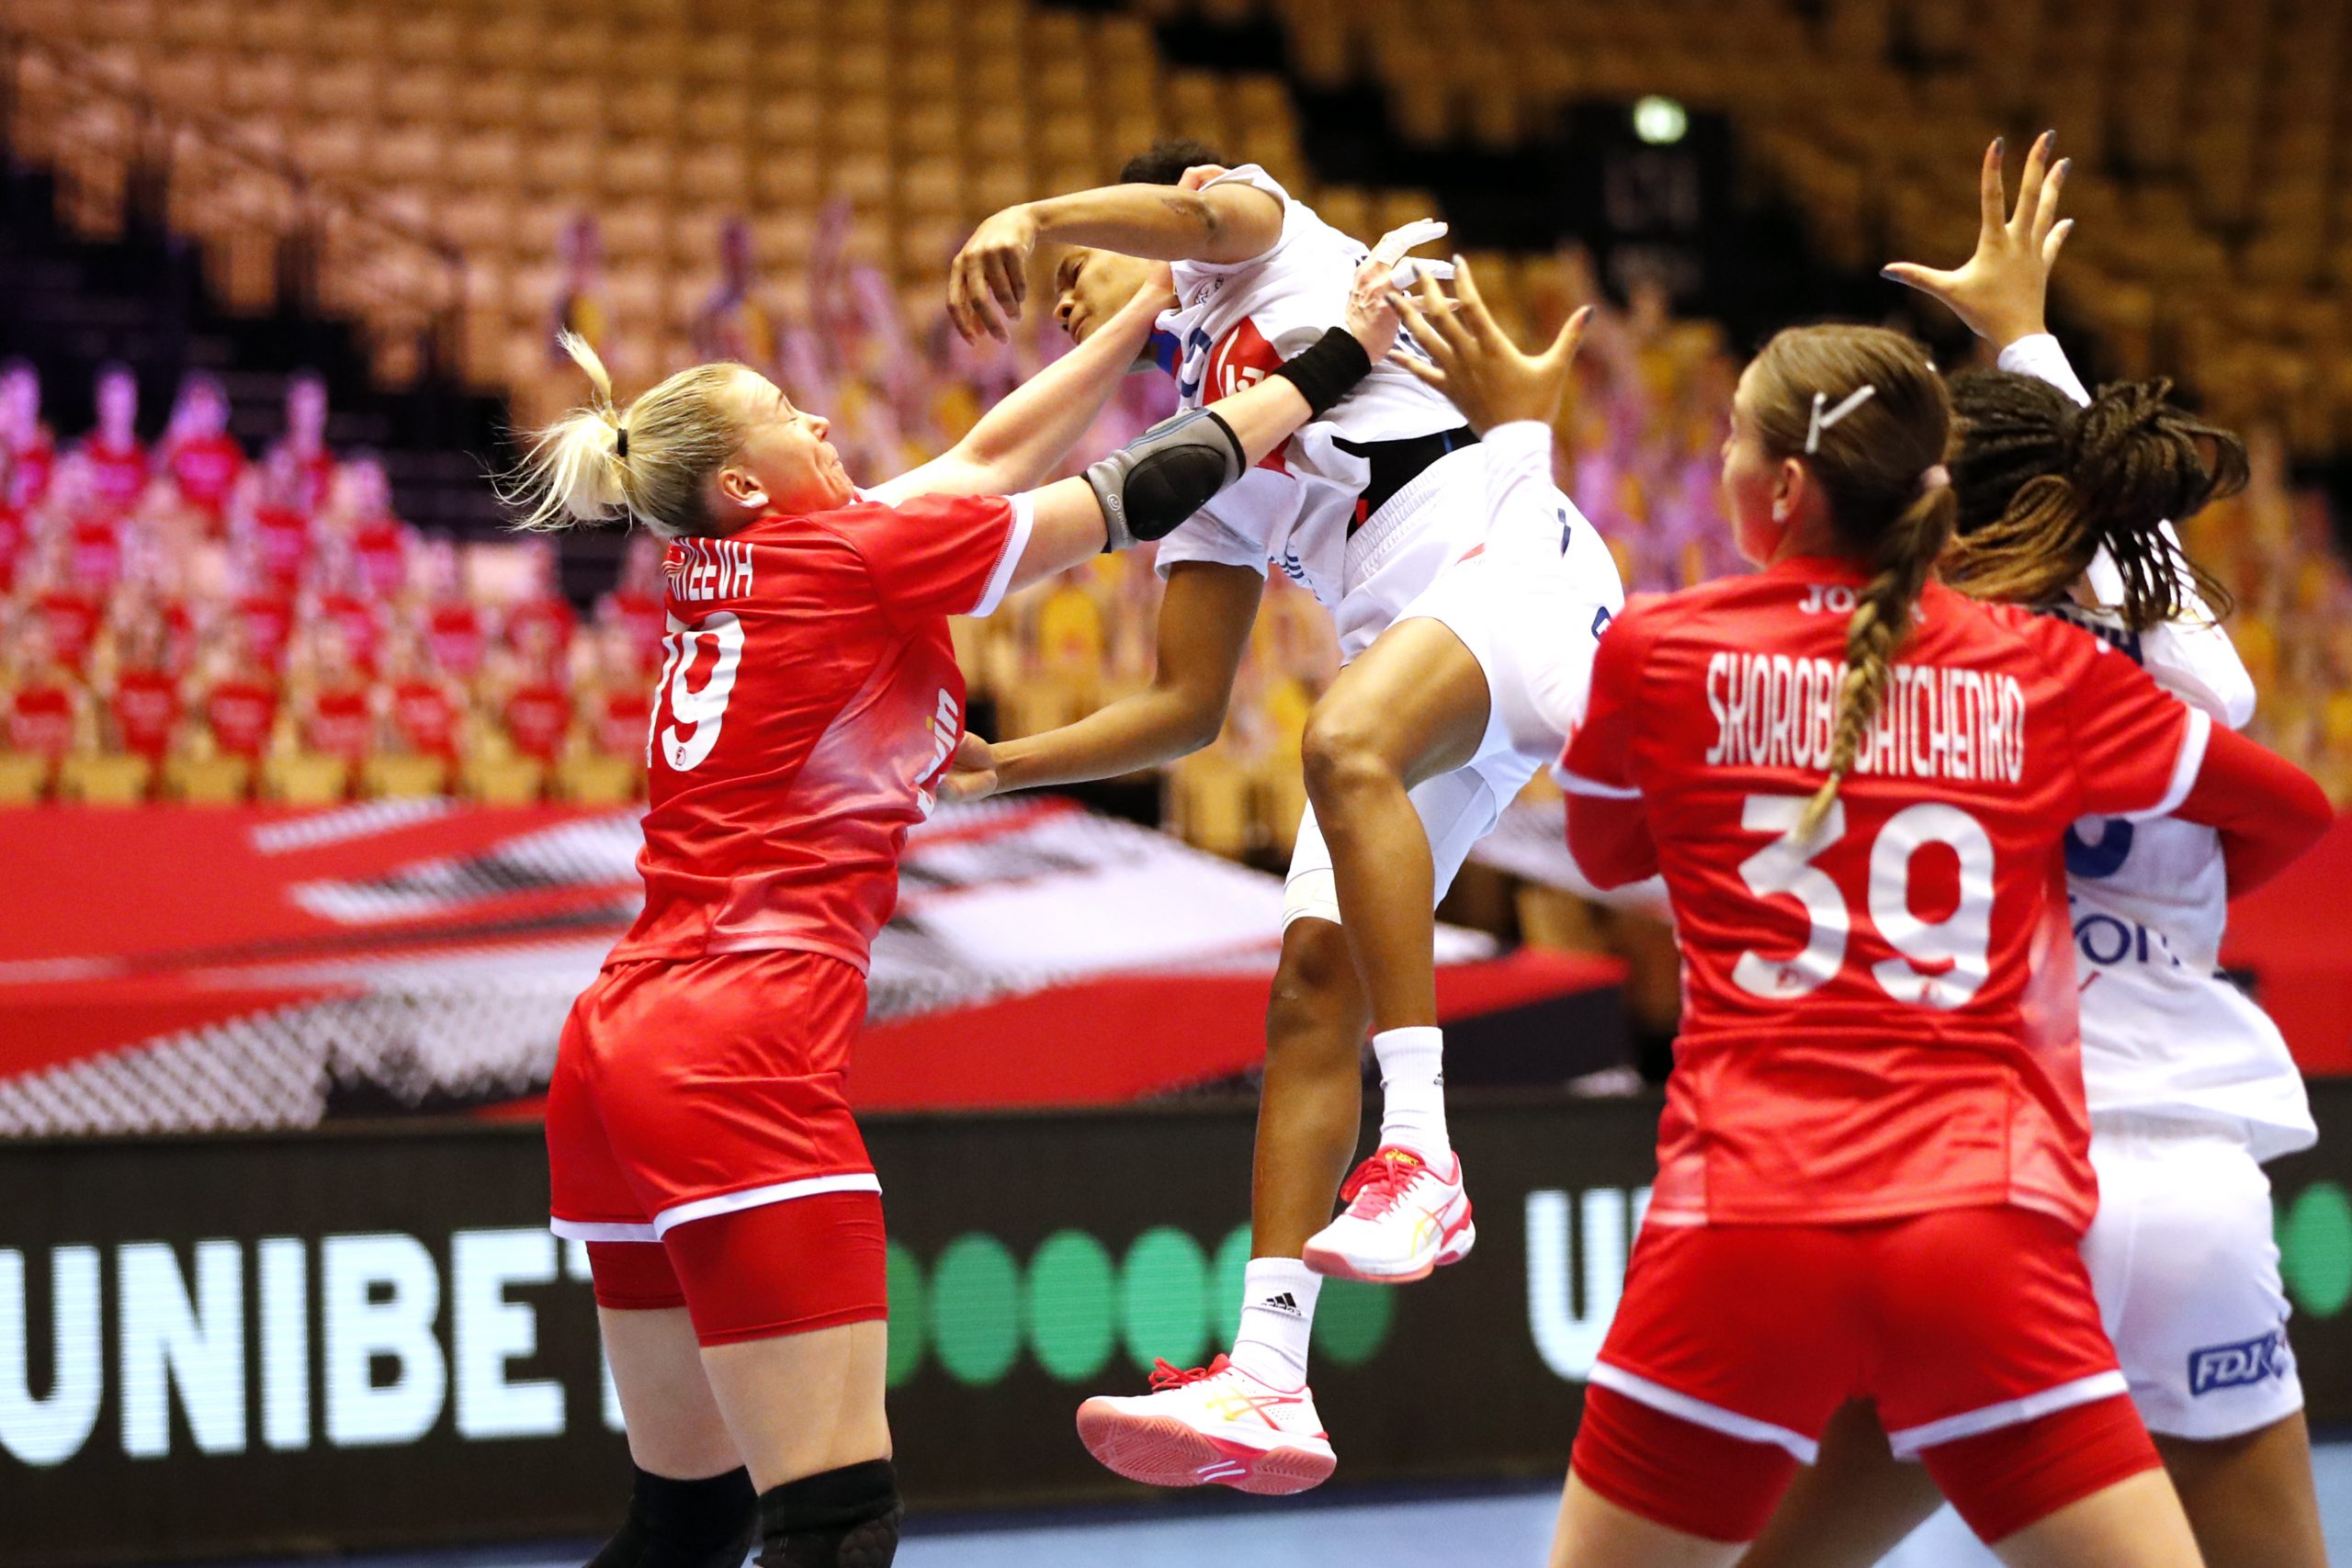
[[2044, 483], [1889, 507]]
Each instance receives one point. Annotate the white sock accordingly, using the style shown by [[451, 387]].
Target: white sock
[[1412, 1086], [1277, 1318]]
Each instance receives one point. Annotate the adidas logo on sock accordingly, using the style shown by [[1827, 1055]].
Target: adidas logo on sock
[[1286, 1303]]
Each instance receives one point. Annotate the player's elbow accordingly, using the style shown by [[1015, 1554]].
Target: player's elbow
[[2307, 814], [1194, 719]]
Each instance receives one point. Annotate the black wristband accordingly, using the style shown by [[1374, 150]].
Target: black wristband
[[1328, 371]]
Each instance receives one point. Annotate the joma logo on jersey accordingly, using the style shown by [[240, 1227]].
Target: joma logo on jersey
[[703, 570], [2238, 1366]]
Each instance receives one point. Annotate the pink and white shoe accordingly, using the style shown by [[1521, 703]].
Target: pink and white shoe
[[1214, 1424], [1404, 1218]]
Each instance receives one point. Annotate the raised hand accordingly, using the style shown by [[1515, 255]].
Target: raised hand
[[971, 773], [1474, 365], [1999, 291], [990, 276]]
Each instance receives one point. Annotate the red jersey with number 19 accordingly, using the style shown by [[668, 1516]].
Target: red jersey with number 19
[[1877, 1021], [808, 703]]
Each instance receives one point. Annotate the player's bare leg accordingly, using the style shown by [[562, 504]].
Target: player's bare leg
[[1310, 1106], [674, 1427], [2136, 1523], [1594, 1532], [2250, 1499], [691, 1502], [800, 1404], [1413, 707], [1851, 1506]]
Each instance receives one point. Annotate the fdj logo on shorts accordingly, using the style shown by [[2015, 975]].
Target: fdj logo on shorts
[[2248, 1362], [1073, 1304]]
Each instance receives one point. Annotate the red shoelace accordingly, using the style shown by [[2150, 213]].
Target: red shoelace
[[1382, 1180], [1167, 1374]]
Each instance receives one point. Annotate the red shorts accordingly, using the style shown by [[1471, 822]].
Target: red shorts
[[694, 1093], [1959, 1325]]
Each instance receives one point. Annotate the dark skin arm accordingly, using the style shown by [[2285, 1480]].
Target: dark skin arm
[[1204, 622]]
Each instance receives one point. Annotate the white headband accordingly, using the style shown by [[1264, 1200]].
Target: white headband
[[1822, 421]]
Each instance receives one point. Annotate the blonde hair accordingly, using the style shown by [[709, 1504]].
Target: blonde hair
[[645, 464], [1875, 464]]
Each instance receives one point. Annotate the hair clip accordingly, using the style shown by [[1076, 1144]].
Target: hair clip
[[1934, 476], [1822, 421], [620, 441]]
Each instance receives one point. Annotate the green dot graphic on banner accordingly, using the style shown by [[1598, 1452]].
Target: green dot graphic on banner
[[1164, 1298], [1352, 1320], [2315, 1248], [1072, 1298], [906, 1317], [976, 1309]]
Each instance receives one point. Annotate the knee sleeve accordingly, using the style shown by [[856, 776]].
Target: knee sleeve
[[1675, 1474], [2002, 1481], [788, 1267], [685, 1524], [837, 1519], [633, 1275]]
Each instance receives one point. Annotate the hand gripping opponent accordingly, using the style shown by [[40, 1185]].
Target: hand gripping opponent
[[1153, 483]]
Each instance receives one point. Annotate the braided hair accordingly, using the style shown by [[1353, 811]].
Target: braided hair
[[2044, 485], [1877, 460]]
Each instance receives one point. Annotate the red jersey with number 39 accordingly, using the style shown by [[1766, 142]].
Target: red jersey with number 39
[[1877, 1021], [808, 703]]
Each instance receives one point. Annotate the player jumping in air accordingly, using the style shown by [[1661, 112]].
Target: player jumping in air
[[1380, 509], [699, 1140]]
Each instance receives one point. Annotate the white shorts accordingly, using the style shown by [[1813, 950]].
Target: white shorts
[[2182, 1259], [1528, 598], [1457, 809]]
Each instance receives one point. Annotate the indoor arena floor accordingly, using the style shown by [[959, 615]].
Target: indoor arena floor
[[1341, 1530]]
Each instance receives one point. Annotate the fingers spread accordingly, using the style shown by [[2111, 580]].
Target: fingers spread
[[1562, 352], [2046, 218], [1418, 327], [2056, 240], [1475, 314], [2036, 165], [1925, 279], [1420, 370], [1992, 200]]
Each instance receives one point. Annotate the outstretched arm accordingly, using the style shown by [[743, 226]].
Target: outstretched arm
[[988, 279], [1019, 441], [1149, 487], [1204, 622]]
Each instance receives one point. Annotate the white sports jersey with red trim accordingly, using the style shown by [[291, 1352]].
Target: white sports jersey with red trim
[[2163, 1031], [808, 702], [1234, 323], [1859, 1039]]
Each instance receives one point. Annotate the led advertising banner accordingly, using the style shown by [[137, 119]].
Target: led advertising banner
[[368, 1338]]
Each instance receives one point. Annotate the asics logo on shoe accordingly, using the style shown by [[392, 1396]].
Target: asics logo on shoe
[[1284, 1303], [1234, 1406]]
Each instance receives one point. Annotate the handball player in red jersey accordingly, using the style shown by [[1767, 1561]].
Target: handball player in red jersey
[[1872, 1167], [700, 1143]]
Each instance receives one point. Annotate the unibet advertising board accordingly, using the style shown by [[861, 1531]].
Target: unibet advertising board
[[367, 1338]]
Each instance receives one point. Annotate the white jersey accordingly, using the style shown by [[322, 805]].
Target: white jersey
[[1297, 509], [2163, 1031]]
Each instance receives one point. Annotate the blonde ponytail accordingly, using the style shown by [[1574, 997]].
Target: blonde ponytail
[[646, 463]]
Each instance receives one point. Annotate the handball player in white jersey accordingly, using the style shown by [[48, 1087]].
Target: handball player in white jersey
[[2190, 1086], [1381, 510]]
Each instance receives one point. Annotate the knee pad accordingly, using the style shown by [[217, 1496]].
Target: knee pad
[[836, 1519], [1150, 486], [685, 1524]]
